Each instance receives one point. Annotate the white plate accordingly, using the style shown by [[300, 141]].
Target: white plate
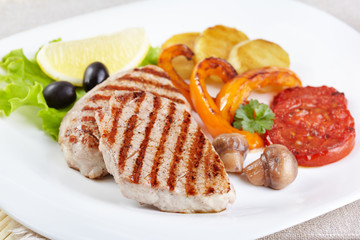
[[40, 191]]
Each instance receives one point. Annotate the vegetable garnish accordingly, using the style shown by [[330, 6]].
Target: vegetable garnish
[[254, 117], [314, 123], [166, 62], [23, 86], [235, 92], [151, 57], [23, 83], [205, 105]]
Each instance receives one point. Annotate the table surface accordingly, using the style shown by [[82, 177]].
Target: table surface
[[20, 15]]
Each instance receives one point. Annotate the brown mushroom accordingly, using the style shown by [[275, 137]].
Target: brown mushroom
[[232, 149], [276, 168]]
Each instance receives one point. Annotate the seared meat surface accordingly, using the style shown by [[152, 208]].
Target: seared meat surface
[[79, 135], [158, 154]]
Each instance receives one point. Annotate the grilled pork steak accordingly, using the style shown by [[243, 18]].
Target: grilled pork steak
[[79, 135], [158, 154]]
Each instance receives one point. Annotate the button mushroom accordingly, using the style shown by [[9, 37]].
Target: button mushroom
[[276, 168], [232, 149]]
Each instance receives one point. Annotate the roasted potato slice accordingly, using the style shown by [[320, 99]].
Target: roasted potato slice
[[217, 41], [184, 38], [182, 66], [256, 54]]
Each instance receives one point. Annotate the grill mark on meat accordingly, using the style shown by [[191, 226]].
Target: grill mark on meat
[[116, 112], [129, 132], [161, 147], [208, 157], [88, 108], [210, 190], [197, 154], [177, 100], [98, 97], [220, 169], [91, 141], [133, 89], [171, 182], [88, 119], [142, 80], [143, 146], [153, 72], [217, 169], [101, 115], [114, 87], [87, 129], [73, 139]]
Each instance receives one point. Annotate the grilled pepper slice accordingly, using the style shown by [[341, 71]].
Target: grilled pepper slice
[[205, 105]]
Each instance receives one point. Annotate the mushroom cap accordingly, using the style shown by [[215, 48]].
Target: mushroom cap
[[232, 149], [280, 166], [231, 141]]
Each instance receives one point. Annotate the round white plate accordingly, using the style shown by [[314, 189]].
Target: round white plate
[[41, 192]]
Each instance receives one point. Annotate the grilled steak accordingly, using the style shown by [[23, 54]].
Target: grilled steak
[[79, 135], [158, 154]]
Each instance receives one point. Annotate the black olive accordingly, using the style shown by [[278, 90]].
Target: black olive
[[94, 74], [59, 94]]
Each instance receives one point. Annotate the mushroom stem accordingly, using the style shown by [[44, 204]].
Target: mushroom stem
[[232, 149], [233, 161], [255, 173]]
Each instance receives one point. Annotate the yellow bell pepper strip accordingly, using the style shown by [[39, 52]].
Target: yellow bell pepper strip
[[233, 93], [165, 62], [205, 105]]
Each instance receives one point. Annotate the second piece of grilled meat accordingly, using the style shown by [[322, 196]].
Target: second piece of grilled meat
[[158, 155]]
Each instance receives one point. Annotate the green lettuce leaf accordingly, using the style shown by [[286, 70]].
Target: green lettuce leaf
[[151, 57], [23, 84]]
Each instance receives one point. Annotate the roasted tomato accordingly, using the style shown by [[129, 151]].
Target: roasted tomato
[[314, 123]]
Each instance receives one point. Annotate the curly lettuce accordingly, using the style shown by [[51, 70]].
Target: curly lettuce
[[23, 83]]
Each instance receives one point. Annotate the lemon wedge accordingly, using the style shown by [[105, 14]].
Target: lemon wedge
[[67, 60]]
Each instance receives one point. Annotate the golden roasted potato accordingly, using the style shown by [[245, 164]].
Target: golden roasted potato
[[182, 66], [217, 41], [256, 54], [185, 38]]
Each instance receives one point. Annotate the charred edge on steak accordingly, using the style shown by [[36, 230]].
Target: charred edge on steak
[[88, 119], [143, 146], [161, 147], [171, 182], [144, 81], [129, 132], [88, 108], [196, 154], [153, 72], [133, 89], [116, 112], [207, 173], [98, 97]]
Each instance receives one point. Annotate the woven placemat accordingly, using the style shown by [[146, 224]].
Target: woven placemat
[[12, 230]]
